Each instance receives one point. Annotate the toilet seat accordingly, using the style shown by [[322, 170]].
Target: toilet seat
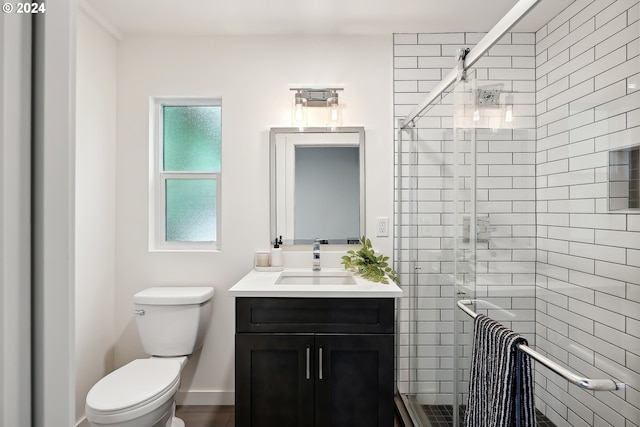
[[134, 389]]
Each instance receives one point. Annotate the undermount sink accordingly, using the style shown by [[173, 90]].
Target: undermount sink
[[316, 278]]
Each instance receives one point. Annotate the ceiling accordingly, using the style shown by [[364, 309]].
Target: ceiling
[[272, 17]]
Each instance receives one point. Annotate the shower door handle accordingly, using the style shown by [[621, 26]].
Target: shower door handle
[[320, 363], [308, 360]]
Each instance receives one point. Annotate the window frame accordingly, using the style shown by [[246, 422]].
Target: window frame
[[158, 178]]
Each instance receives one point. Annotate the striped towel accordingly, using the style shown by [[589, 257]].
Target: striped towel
[[500, 385]]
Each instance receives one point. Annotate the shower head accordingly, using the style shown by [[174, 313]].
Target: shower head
[[489, 96]]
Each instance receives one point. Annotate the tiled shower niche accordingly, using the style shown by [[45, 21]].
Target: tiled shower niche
[[624, 179]]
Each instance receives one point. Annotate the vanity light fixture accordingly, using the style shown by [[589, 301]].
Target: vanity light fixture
[[316, 97]]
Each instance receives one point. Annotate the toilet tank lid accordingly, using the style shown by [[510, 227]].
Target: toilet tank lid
[[174, 295]]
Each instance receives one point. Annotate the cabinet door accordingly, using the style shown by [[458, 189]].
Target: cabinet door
[[274, 380], [354, 380]]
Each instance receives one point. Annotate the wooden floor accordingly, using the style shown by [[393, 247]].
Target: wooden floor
[[212, 416], [207, 416]]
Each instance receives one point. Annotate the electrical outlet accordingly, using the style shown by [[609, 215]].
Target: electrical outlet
[[383, 227]]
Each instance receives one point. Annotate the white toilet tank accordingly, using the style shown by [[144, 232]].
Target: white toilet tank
[[172, 320]]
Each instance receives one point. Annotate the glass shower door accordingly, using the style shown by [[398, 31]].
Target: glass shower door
[[437, 256]]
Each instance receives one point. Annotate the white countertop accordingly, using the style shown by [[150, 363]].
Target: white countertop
[[263, 284]]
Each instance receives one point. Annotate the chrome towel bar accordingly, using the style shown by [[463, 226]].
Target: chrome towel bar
[[586, 383]]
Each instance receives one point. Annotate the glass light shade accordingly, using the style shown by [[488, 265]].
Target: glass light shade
[[334, 112], [299, 111], [508, 109]]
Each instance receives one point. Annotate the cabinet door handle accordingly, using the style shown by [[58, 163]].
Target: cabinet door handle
[[308, 367], [320, 363]]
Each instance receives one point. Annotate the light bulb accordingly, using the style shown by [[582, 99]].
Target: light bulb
[[298, 114], [334, 113]]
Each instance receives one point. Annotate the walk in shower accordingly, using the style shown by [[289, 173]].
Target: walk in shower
[[467, 232], [468, 219]]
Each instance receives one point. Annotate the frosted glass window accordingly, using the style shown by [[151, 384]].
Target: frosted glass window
[[191, 210], [192, 138], [186, 160]]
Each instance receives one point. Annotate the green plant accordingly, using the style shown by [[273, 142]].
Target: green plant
[[368, 265]]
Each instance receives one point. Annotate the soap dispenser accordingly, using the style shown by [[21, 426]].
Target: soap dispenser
[[276, 253]]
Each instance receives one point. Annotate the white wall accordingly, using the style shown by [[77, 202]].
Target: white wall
[[252, 75], [95, 205]]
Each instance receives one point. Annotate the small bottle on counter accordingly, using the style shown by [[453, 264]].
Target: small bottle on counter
[[276, 253]]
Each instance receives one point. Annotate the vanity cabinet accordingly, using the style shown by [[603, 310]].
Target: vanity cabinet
[[324, 362]]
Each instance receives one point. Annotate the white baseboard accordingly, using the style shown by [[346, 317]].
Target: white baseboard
[[83, 423], [205, 397]]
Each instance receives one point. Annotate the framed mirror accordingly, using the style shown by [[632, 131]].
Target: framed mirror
[[317, 185]]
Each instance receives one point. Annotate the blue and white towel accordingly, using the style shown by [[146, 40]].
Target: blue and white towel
[[500, 384]]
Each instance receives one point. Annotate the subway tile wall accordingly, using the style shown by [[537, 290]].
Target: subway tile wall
[[588, 268]]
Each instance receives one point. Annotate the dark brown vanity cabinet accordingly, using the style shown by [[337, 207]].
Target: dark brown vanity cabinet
[[323, 362]]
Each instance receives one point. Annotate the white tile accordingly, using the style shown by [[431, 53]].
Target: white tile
[[588, 191], [554, 193], [598, 283], [572, 206], [618, 272], [402, 38], [633, 257], [617, 73], [417, 74], [604, 32], [416, 50], [405, 62], [578, 177], [598, 97], [598, 221], [441, 38], [617, 140], [577, 32], [618, 106], [405, 86], [597, 252], [621, 37], [557, 140], [554, 34], [572, 262], [570, 94], [575, 64], [598, 128], [575, 234], [594, 160], [623, 239], [618, 338], [553, 167], [600, 346]]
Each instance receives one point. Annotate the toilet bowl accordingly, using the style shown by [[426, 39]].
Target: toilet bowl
[[140, 393], [171, 322]]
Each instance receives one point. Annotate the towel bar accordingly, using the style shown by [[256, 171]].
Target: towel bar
[[586, 383]]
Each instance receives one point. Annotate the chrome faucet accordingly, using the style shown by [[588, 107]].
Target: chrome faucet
[[316, 255]]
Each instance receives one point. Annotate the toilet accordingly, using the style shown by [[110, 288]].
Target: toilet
[[171, 323]]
